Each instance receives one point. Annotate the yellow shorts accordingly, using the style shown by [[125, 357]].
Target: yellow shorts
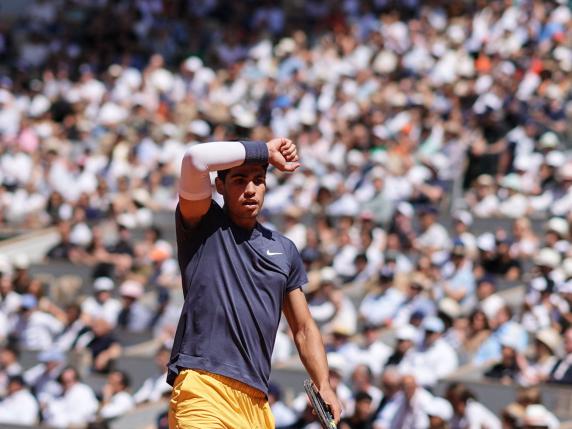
[[203, 400]]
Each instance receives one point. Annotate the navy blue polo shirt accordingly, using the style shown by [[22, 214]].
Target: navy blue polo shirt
[[234, 282]]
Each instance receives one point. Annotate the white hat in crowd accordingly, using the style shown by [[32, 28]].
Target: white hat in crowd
[[103, 284]]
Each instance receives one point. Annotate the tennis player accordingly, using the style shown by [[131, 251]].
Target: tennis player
[[237, 279]]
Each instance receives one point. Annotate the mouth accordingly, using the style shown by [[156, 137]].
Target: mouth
[[250, 204]]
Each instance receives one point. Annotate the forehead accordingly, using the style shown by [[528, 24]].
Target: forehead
[[247, 170]]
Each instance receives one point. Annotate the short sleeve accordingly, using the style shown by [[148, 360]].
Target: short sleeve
[[297, 276], [190, 238]]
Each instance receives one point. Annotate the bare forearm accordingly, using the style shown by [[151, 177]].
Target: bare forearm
[[311, 349]]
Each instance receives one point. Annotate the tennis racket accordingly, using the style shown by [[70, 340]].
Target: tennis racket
[[320, 407]]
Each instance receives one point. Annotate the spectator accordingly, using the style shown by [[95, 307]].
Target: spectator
[[537, 416], [42, 378], [32, 328], [410, 411], [507, 370], [475, 335], [101, 305], [462, 221], [361, 418], [103, 345], [155, 387], [19, 407], [459, 281], [9, 366], [406, 338], [547, 347], [76, 405], [337, 369], [380, 305], [434, 358], [115, 398], [416, 300], [73, 328], [440, 413], [502, 327], [64, 250], [512, 416], [362, 381], [134, 316], [561, 373], [467, 411], [433, 237], [9, 299], [372, 351], [391, 389]]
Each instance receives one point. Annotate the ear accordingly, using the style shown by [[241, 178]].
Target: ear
[[219, 185]]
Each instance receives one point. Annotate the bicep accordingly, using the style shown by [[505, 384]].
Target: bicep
[[296, 310], [193, 211]]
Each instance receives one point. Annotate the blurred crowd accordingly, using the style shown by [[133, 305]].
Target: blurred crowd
[[417, 124]]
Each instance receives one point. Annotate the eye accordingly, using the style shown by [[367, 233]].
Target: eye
[[239, 181], [261, 180]]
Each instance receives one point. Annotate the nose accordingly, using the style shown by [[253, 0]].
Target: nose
[[250, 189]]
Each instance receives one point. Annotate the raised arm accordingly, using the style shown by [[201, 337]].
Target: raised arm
[[310, 347], [201, 159]]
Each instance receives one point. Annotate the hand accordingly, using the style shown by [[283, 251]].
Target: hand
[[282, 154], [331, 400]]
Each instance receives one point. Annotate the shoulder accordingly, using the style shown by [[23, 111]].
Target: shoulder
[[215, 216], [287, 244]]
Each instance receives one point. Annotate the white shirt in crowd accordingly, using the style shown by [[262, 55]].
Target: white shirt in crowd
[[38, 331], [43, 381], [431, 364], [76, 406], [20, 408], [109, 310], [476, 416], [10, 303], [379, 308], [152, 389], [119, 404], [283, 416], [282, 347], [399, 414], [435, 237]]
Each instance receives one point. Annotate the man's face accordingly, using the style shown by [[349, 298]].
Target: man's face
[[390, 384], [14, 387], [404, 345], [243, 191], [114, 380], [426, 220], [363, 408], [431, 337]]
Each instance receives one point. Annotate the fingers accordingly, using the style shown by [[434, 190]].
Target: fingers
[[289, 152], [291, 166]]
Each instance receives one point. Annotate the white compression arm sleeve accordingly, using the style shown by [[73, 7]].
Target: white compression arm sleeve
[[200, 159]]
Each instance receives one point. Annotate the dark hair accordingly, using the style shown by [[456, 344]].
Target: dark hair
[[17, 379], [362, 396], [221, 174], [125, 379], [459, 392], [69, 368]]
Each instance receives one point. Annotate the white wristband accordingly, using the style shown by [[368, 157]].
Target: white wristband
[[200, 159]]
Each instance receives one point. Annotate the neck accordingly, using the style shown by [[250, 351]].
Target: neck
[[245, 223]]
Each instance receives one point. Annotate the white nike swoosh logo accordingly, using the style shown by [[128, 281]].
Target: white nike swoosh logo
[[269, 253]]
